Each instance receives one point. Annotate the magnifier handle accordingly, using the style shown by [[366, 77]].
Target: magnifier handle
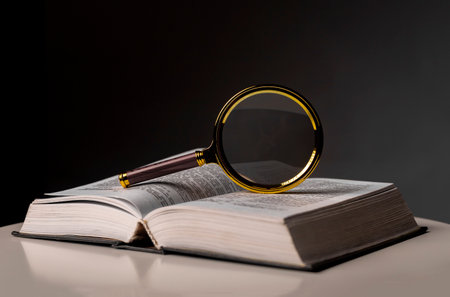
[[162, 168]]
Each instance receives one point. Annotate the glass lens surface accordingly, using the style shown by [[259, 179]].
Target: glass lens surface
[[268, 138]]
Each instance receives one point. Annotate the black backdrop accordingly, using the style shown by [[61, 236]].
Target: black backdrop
[[95, 87]]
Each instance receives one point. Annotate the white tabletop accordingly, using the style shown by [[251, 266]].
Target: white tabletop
[[29, 267]]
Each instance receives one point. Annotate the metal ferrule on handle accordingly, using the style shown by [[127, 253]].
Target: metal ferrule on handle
[[162, 168]]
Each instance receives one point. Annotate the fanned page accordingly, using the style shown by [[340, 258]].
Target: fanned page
[[184, 186], [313, 193]]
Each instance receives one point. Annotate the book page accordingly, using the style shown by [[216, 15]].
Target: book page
[[313, 193], [188, 185]]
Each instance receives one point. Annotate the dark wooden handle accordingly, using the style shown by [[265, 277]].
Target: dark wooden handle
[[151, 171]]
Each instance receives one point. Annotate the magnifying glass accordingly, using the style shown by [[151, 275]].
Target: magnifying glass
[[267, 139]]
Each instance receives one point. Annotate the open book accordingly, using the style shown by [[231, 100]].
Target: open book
[[200, 211]]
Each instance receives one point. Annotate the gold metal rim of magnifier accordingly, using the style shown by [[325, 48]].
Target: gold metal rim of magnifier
[[223, 116]]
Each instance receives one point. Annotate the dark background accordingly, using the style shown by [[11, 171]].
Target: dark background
[[93, 88]]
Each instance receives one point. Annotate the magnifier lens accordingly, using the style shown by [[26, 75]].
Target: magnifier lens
[[268, 138]]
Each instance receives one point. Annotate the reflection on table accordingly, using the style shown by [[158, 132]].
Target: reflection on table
[[112, 271]]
